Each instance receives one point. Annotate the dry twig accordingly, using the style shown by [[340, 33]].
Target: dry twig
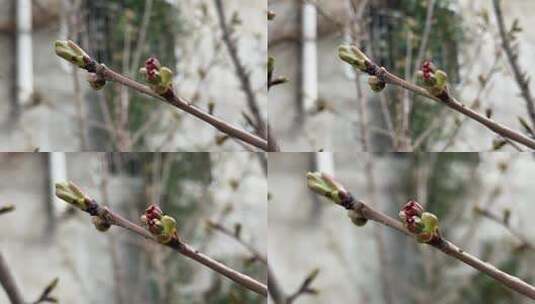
[[512, 56]]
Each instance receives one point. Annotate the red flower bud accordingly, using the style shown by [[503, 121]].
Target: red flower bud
[[411, 208], [153, 66], [153, 212], [411, 214], [427, 69]]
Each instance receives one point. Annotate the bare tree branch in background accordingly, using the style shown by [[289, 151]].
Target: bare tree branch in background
[[73, 24], [7, 208], [357, 26], [8, 282], [236, 235], [512, 55], [10, 286], [503, 220], [406, 140], [274, 289], [245, 80]]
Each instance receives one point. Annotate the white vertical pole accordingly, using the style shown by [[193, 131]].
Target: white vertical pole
[[310, 56], [325, 162], [57, 167], [24, 52]]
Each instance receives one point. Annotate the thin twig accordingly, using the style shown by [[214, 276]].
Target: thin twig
[[8, 283], [13, 292], [245, 80], [520, 76], [237, 236], [504, 221], [276, 292], [242, 74], [357, 25], [362, 101], [7, 208], [304, 288], [141, 41], [274, 289], [405, 124]]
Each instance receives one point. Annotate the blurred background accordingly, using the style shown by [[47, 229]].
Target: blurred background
[[44, 238], [48, 105], [326, 106], [483, 201]]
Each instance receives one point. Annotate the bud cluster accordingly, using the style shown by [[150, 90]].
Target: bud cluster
[[160, 78], [423, 224], [435, 81], [160, 225]]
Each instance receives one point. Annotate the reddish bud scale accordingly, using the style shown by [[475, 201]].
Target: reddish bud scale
[[153, 66], [151, 216], [153, 212], [427, 69], [412, 208], [410, 214]]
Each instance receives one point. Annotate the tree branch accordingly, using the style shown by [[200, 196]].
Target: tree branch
[[13, 293], [304, 288], [382, 75], [7, 209], [104, 218], [102, 74], [520, 76], [8, 283], [237, 237], [504, 221], [360, 213], [244, 79], [276, 292]]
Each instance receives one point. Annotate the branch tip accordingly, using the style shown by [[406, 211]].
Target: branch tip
[[71, 194], [327, 186], [71, 52], [354, 56]]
